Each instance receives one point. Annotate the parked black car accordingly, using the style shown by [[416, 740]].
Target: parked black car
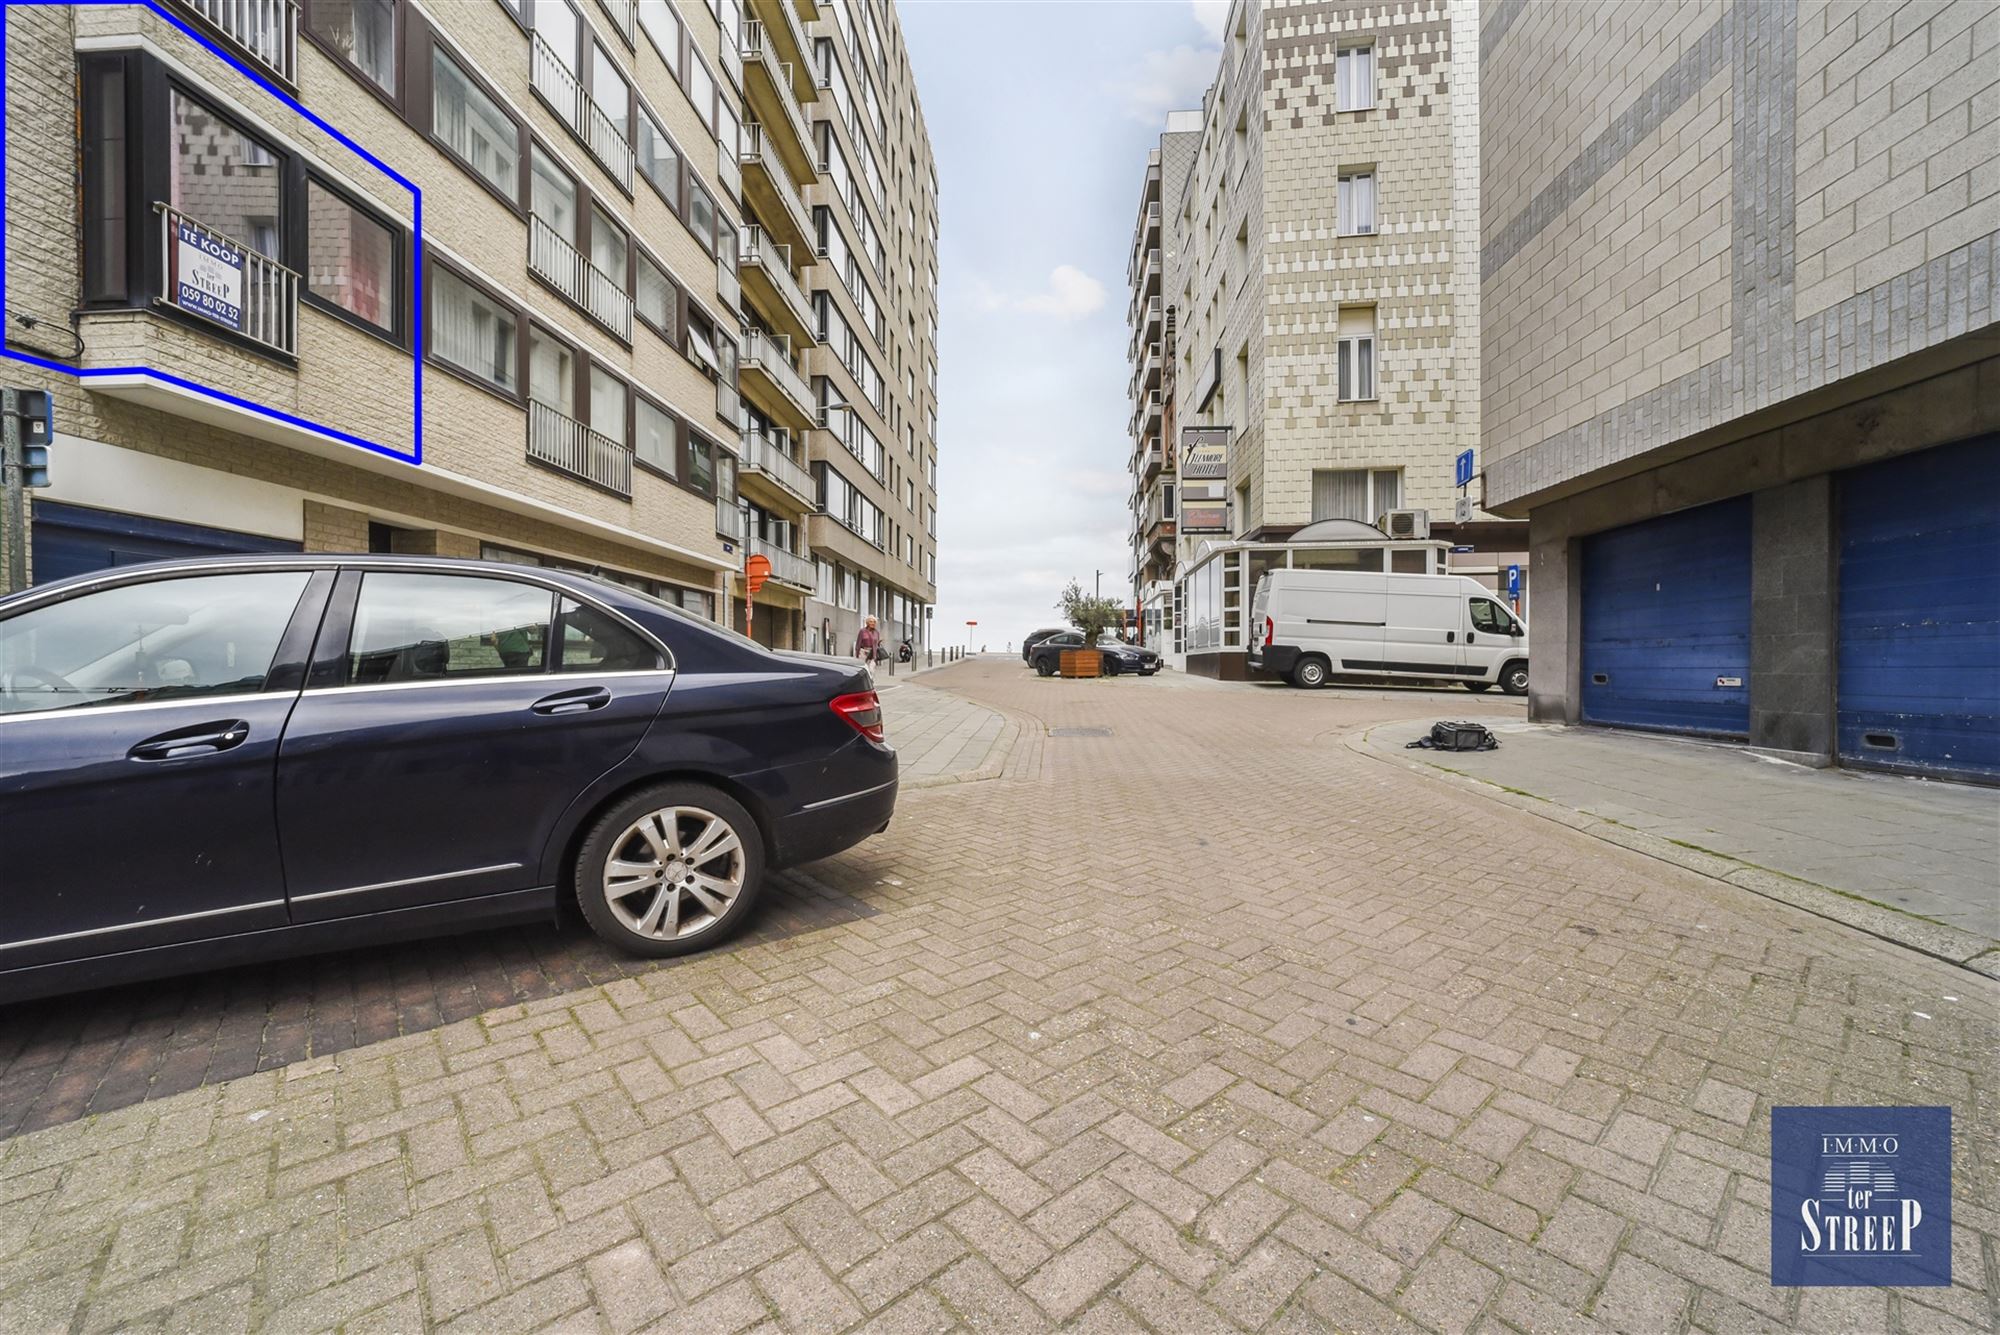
[[1035, 638], [1118, 655], [214, 761]]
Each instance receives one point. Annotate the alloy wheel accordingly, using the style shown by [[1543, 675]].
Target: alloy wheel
[[674, 872]]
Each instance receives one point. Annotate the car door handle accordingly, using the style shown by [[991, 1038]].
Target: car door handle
[[1451, 637], [578, 701], [201, 739], [1469, 637]]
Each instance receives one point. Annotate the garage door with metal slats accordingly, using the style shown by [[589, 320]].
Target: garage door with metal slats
[[77, 540], [1919, 685], [1666, 622]]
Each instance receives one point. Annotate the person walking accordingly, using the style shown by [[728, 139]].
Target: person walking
[[868, 642]]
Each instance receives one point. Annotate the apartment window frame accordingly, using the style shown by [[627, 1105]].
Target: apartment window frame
[[579, 362], [397, 333], [1355, 358], [588, 369], [399, 47], [676, 296], [673, 470], [1371, 476], [433, 267], [1347, 188], [516, 199], [643, 115], [1345, 57]]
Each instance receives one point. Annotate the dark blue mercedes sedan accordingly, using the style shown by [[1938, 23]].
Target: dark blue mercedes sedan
[[209, 762]]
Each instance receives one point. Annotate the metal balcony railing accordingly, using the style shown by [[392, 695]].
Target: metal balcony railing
[[757, 49], [227, 283], [763, 454], [267, 29], [759, 151], [776, 260], [623, 13], [786, 567], [771, 354], [563, 91], [567, 445], [728, 288], [729, 520], [569, 271]]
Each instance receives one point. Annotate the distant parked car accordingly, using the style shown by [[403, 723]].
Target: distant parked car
[[210, 762], [1118, 655], [1035, 638]]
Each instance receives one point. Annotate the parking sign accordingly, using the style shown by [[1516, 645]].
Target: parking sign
[[1514, 582]]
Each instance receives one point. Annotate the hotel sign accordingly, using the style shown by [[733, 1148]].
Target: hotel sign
[[208, 276], [1205, 452]]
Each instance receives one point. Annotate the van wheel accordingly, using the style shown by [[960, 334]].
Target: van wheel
[[1309, 674], [1479, 687], [1514, 678], [1044, 668]]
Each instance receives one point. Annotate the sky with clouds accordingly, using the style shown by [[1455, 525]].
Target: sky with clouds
[[1040, 116]]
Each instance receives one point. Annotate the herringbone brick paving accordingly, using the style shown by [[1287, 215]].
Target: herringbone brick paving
[[1208, 1024]]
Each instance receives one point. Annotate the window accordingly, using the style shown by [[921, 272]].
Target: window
[[654, 438], [608, 89], [608, 250], [557, 24], [161, 640], [658, 160], [551, 371], [701, 464], [663, 29], [655, 298], [551, 194], [701, 89], [1355, 493], [701, 215], [1357, 203], [473, 332], [473, 127], [350, 258], [444, 628], [701, 342], [607, 404], [595, 641], [222, 178], [361, 32], [1354, 353], [1354, 78]]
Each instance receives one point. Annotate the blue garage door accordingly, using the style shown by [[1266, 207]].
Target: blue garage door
[[1920, 611], [75, 540], [1666, 622]]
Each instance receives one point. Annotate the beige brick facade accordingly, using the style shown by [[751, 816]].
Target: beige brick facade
[[477, 484]]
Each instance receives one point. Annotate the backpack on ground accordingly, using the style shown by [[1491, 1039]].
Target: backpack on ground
[[1460, 736]]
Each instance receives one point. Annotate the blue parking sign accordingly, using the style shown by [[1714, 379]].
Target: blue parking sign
[[1514, 582], [1464, 469]]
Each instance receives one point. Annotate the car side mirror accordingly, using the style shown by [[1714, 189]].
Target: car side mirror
[[1516, 631]]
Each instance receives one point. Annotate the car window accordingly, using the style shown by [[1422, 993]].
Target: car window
[[418, 627], [165, 639], [1490, 616], [595, 641]]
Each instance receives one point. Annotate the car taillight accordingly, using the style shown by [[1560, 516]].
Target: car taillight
[[862, 711], [1269, 631]]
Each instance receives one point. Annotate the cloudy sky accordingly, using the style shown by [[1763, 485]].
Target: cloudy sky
[[1041, 115]]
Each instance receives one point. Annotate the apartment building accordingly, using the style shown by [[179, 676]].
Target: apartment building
[[487, 278], [1741, 283], [1318, 277]]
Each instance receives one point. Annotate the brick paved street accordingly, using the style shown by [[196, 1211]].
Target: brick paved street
[[1207, 1023]]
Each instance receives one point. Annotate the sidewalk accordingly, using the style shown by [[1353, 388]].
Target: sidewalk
[[940, 737], [1913, 860]]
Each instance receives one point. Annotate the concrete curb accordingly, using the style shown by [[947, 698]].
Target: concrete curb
[[997, 755], [1939, 941]]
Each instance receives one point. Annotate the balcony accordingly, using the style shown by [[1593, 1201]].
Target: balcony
[[765, 458], [729, 521], [767, 367], [767, 185], [767, 268], [773, 95], [262, 301], [782, 26], [265, 30], [1150, 464], [568, 446], [728, 288], [624, 13], [556, 84], [788, 568], [569, 271]]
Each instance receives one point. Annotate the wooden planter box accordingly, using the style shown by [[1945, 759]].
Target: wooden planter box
[[1081, 663]]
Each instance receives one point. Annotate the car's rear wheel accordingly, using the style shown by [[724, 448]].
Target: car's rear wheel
[[1044, 668], [1110, 668], [670, 869], [1309, 673]]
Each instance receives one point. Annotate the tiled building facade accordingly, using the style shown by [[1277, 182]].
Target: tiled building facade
[[1740, 289], [592, 303], [1319, 275]]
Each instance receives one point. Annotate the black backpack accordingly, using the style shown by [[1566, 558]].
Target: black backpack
[[1448, 736]]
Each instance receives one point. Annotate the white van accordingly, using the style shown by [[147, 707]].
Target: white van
[[1308, 625]]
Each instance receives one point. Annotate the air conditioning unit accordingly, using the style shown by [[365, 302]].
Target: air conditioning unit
[[1402, 524]]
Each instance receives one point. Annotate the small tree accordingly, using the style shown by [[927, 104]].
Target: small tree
[[1093, 616]]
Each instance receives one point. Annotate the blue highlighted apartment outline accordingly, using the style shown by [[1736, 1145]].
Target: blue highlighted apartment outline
[[413, 455]]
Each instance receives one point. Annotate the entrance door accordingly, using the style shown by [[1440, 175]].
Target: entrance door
[[1666, 622], [1919, 683]]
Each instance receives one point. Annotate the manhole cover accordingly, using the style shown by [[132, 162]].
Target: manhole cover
[[1079, 732]]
